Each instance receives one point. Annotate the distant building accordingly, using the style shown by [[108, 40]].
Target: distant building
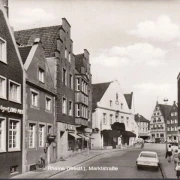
[[158, 121], [172, 124], [83, 99], [178, 102], [110, 105], [143, 126]]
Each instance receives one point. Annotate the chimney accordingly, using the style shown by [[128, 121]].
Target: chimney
[[5, 2]]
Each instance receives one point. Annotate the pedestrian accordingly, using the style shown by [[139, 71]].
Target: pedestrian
[[178, 169], [175, 157], [169, 153]]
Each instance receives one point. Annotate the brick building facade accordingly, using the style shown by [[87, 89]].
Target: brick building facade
[[11, 101], [40, 109]]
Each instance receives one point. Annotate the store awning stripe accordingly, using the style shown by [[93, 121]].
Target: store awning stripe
[[83, 136]]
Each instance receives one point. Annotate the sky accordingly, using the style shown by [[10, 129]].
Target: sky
[[136, 42]]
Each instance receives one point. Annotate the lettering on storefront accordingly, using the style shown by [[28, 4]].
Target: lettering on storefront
[[11, 110]]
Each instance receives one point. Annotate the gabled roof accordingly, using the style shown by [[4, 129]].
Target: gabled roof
[[24, 52], [128, 98], [48, 36], [98, 91], [79, 62], [165, 109], [4, 13], [140, 118]]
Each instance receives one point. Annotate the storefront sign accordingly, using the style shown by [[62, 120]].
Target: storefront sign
[[70, 127], [11, 110]]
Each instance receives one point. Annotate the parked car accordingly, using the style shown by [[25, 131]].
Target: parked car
[[139, 140], [148, 159], [148, 141]]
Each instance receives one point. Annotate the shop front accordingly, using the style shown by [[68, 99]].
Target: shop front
[[11, 123]]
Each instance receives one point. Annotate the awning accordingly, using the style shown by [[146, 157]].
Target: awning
[[83, 136], [128, 134], [74, 135], [88, 136]]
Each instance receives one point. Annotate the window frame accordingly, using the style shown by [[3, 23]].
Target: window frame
[[4, 132], [4, 51], [78, 84], [34, 136], [18, 148], [78, 110], [70, 114], [5, 88], [71, 81], [64, 77], [64, 98], [19, 86], [50, 98], [111, 118], [35, 92], [40, 69], [105, 118], [43, 134]]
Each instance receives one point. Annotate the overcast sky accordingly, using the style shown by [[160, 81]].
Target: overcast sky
[[136, 42]]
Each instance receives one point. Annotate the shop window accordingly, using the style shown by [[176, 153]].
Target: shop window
[[14, 91], [14, 169], [14, 134], [71, 142], [2, 87], [41, 135], [32, 133], [2, 134]]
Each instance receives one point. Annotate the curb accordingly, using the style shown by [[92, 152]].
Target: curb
[[162, 171]]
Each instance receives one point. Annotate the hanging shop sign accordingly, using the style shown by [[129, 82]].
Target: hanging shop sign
[[11, 110]]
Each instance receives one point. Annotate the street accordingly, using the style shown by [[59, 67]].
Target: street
[[124, 161]]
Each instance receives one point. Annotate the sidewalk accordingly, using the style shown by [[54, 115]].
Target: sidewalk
[[167, 168], [55, 168]]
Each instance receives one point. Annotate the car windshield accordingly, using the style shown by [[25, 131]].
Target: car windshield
[[148, 155]]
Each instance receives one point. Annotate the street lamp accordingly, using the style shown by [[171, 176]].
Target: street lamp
[[165, 119]]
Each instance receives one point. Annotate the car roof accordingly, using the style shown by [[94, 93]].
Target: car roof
[[150, 152]]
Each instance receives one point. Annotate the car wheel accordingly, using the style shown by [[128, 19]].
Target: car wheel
[[138, 167]]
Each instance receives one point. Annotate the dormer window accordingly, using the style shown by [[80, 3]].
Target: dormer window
[[41, 75], [3, 53]]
